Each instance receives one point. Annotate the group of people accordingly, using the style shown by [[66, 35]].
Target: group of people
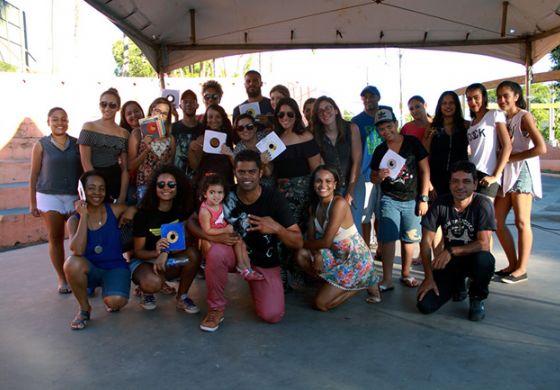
[[302, 216]]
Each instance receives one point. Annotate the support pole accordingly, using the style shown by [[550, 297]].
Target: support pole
[[505, 5], [193, 26], [161, 77], [528, 72]]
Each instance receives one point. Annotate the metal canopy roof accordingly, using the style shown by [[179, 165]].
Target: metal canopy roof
[[176, 33]]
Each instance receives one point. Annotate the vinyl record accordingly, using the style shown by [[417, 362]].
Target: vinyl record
[[214, 142], [391, 164], [172, 236]]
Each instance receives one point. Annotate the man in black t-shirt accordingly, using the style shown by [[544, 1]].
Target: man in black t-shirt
[[253, 85], [467, 221], [260, 217], [186, 130]]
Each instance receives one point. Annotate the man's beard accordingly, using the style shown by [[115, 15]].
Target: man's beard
[[253, 92]]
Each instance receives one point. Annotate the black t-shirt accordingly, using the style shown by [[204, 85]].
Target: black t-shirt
[[460, 228], [183, 137], [262, 248], [405, 186], [266, 109], [147, 223], [293, 162]]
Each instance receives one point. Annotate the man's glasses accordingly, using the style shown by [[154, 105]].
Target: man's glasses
[[213, 96], [248, 126], [111, 105], [170, 184], [290, 114]]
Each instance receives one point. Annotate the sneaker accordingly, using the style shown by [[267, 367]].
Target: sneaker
[[459, 296], [212, 321], [187, 305], [476, 310], [148, 302], [510, 279]]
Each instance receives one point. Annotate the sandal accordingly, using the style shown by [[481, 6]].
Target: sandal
[[80, 321], [64, 288], [374, 296], [410, 281]]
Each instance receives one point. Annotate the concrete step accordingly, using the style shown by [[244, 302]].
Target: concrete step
[[18, 227], [14, 171], [14, 195], [18, 149]]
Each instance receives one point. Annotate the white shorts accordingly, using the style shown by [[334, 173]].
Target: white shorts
[[64, 204]]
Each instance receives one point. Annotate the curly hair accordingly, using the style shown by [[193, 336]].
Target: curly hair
[[182, 203]]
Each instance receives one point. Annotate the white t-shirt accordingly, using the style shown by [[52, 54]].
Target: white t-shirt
[[483, 141]]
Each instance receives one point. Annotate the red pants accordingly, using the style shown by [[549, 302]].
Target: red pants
[[267, 294]]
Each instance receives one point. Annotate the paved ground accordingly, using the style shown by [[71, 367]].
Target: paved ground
[[357, 346]]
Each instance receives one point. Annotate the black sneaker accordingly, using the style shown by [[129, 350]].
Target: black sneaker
[[476, 310], [459, 296], [510, 279]]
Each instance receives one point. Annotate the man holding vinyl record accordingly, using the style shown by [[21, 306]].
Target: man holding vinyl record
[[253, 85], [261, 217]]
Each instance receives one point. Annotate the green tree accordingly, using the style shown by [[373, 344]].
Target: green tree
[[138, 65], [5, 67]]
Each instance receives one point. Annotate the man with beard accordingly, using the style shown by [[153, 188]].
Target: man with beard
[[370, 140], [253, 85], [260, 216], [467, 220], [186, 130]]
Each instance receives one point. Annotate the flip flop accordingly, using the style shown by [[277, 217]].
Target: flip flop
[[410, 281], [64, 289], [80, 321], [383, 288]]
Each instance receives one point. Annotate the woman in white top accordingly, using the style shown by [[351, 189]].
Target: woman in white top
[[521, 181], [489, 142]]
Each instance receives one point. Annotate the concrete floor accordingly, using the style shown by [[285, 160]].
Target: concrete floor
[[357, 346]]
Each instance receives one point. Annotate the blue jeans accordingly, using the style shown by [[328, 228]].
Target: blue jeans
[[357, 206], [399, 221]]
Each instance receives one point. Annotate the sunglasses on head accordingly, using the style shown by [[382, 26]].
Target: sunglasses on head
[[290, 114], [213, 96], [111, 105], [248, 126], [170, 184]]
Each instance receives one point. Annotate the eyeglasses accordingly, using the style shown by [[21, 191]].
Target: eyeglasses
[[326, 110], [111, 105], [213, 96], [290, 114], [248, 126], [157, 111], [170, 184]]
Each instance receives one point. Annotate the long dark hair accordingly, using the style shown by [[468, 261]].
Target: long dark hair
[[123, 123], [183, 201], [299, 127], [313, 197], [516, 88], [318, 128], [483, 92], [458, 119]]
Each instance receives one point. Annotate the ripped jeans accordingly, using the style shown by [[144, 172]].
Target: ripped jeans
[[399, 221]]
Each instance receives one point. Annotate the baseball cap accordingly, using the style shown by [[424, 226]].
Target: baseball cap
[[371, 89], [384, 115], [189, 93]]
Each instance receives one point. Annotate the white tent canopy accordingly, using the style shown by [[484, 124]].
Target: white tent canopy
[[176, 33]]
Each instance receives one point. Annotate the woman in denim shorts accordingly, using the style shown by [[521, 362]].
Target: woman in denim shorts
[[521, 181], [401, 207]]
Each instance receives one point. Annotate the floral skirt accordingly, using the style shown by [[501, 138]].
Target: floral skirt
[[296, 192], [349, 265]]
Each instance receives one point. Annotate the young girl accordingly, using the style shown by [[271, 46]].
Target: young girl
[[55, 169], [212, 221], [334, 250], [521, 181]]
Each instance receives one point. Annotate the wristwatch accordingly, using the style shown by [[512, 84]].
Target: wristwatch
[[423, 198]]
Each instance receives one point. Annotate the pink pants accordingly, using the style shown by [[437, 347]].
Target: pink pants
[[268, 294]]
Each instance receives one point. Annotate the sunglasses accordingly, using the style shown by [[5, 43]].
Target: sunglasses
[[248, 126], [111, 105], [170, 184], [290, 114], [213, 96]]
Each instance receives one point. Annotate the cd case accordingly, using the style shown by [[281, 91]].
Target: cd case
[[175, 234], [154, 127]]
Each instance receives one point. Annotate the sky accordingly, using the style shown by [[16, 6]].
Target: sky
[[74, 49]]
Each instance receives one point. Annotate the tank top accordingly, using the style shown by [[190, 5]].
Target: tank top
[[217, 220], [341, 233], [60, 169]]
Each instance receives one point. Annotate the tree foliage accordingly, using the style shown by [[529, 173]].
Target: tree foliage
[[138, 65]]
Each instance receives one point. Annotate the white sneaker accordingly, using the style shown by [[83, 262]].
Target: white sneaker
[[148, 302]]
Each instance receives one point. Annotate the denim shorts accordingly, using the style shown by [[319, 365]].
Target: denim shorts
[[399, 221], [524, 184], [372, 206], [64, 204], [114, 281], [134, 263]]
